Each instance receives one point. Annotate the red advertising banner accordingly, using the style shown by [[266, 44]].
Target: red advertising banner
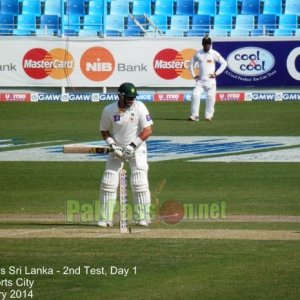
[[230, 96], [165, 97], [15, 97]]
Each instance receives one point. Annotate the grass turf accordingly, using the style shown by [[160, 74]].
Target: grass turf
[[247, 188], [35, 122], [166, 268]]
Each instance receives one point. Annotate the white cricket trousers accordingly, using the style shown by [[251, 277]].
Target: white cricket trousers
[[209, 87], [139, 185]]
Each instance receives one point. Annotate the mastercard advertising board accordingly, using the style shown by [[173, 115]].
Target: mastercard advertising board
[[85, 63], [170, 64], [160, 63], [39, 63]]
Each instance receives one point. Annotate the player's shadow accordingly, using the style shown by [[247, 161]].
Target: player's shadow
[[170, 119]]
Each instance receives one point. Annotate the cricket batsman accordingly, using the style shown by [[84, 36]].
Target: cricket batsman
[[125, 125]]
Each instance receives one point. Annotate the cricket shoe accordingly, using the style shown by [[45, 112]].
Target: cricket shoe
[[193, 118], [207, 119], [105, 224], [142, 223]]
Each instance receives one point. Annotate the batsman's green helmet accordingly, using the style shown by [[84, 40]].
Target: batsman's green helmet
[[128, 90]]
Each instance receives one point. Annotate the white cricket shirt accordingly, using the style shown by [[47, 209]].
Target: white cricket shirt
[[125, 126], [206, 63]]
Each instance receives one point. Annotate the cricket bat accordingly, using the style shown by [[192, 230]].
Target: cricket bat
[[85, 149]]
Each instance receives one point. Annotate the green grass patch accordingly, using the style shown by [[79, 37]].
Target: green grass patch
[[293, 226], [247, 188], [165, 269], [35, 122]]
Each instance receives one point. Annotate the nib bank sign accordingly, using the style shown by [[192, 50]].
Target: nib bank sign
[[250, 61]]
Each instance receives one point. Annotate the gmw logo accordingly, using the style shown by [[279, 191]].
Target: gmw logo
[[39, 63], [170, 64]]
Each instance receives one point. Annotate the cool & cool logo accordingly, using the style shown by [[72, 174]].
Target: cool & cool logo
[[39, 63], [170, 64], [250, 61]]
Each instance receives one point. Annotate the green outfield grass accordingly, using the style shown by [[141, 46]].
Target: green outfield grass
[[247, 188], [32, 122], [203, 224], [166, 268]]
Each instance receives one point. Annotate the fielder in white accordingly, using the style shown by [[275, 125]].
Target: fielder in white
[[205, 61], [125, 125]]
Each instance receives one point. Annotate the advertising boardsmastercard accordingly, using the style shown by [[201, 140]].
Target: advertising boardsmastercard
[[169, 63], [55, 64], [39, 63]]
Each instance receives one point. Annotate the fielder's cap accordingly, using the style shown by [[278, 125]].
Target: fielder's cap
[[206, 40], [127, 89]]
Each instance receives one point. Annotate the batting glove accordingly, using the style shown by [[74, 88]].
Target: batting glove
[[128, 152], [116, 150]]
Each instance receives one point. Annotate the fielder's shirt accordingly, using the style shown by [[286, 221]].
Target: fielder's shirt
[[205, 62], [125, 125]]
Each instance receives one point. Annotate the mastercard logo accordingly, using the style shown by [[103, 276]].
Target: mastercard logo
[[39, 63], [97, 63], [170, 64]]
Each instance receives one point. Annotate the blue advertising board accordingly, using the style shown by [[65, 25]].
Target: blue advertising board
[[260, 63]]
